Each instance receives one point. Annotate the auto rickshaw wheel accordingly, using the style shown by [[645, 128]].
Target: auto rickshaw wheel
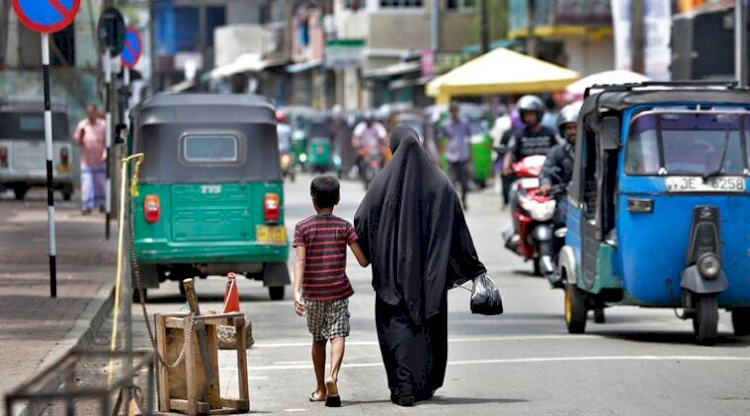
[[276, 292], [706, 319], [599, 317], [575, 309], [20, 191], [741, 322]]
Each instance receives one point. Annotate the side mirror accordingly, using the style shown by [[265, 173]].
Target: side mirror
[[121, 133], [610, 133]]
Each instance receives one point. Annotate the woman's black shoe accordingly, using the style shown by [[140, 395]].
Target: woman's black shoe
[[405, 401]]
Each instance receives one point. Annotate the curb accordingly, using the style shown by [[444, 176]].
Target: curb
[[82, 333]]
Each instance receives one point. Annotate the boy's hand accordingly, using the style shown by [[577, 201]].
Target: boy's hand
[[299, 304]]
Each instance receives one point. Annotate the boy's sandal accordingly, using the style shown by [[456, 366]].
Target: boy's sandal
[[333, 400], [313, 399]]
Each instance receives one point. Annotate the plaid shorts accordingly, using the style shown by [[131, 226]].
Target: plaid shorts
[[327, 319]]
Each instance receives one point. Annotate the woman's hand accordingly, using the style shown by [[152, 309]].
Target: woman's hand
[[299, 304]]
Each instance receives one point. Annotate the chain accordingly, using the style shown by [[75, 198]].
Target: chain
[[139, 286]]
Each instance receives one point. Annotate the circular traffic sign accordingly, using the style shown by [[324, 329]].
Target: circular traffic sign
[[46, 16], [132, 48], [111, 30]]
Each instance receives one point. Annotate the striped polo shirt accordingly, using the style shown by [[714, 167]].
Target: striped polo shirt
[[326, 238]]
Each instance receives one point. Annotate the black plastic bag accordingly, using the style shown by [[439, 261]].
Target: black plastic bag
[[485, 297]]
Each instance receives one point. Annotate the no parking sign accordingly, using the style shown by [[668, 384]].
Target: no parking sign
[[46, 16], [132, 48]]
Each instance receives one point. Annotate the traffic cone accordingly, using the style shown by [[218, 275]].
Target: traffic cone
[[231, 296]]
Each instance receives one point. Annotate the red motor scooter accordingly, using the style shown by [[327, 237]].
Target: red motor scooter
[[533, 233]]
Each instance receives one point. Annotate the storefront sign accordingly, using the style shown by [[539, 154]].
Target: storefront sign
[[344, 53]]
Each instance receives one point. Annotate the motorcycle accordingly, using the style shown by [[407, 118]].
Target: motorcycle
[[372, 163], [286, 162], [534, 235]]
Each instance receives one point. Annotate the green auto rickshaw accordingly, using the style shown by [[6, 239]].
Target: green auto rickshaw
[[481, 151], [210, 194], [319, 146]]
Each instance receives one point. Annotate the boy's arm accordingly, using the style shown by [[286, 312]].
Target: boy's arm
[[359, 254], [299, 275]]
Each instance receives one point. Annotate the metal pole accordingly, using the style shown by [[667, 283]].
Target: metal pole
[[531, 22], [108, 129], [740, 39], [485, 17], [50, 190], [435, 26], [637, 40]]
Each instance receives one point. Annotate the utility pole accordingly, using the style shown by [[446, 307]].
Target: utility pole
[[740, 40], [485, 26], [637, 39], [531, 22]]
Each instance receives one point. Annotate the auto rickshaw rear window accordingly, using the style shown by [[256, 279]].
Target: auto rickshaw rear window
[[218, 148], [31, 123], [687, 143]]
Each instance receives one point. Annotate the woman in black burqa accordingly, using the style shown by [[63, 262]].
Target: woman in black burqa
[[411, 226]]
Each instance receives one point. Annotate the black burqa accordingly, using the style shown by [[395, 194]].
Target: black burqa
[[413, 229]]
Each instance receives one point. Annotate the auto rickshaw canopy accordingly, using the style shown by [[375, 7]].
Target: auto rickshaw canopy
[[164, 123], [501, 71]]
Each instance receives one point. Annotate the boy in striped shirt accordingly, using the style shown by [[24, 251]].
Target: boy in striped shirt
[[321, 287]]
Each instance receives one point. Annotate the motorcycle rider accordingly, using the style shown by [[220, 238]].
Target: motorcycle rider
[[533, 139], [368, 133]]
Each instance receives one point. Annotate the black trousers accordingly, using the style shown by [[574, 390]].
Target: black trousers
[[507, 183], [460, 173], [415, 356]]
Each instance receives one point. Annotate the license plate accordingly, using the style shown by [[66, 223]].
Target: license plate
[[697, 184], [271, 234], [528, 183]]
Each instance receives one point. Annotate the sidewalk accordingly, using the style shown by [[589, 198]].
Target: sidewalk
[[36, 330]]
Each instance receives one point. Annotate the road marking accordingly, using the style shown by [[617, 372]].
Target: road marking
[[529, 360], [455, 340]]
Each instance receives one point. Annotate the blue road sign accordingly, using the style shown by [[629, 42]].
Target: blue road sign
[[46, 16], [132, 49]]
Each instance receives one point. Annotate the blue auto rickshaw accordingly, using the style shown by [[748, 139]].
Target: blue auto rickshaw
[[658, 208]]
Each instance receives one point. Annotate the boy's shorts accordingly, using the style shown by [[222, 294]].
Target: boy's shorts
[[327, 319]]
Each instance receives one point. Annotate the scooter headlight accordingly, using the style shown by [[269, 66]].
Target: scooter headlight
[[709, 265], [538, 211]]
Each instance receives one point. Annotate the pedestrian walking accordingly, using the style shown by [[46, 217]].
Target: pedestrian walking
[[458, 132], [90, 136], [411, 226], [321, 286]]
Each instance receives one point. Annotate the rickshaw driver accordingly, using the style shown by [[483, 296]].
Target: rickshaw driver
[[558, 168]]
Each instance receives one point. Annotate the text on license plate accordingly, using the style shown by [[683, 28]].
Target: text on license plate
[[267, 234], [697, 184]]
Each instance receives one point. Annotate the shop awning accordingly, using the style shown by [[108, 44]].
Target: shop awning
[[249, 62], [501, 71]]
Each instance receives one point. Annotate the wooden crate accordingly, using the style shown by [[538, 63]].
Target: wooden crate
[[185, 388]]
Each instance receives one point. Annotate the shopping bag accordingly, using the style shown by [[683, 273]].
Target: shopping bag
[[485, 297]]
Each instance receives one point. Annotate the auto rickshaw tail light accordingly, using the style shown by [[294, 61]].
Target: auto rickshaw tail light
[[64, 156], [151, 208], [3, 157], [271, 207]]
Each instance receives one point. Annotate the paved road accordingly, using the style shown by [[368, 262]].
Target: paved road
[[641, 362]]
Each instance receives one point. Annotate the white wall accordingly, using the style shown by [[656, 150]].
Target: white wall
[[590, 56]]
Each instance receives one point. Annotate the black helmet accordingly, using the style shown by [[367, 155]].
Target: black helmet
[[531, 103], [569, 114]]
